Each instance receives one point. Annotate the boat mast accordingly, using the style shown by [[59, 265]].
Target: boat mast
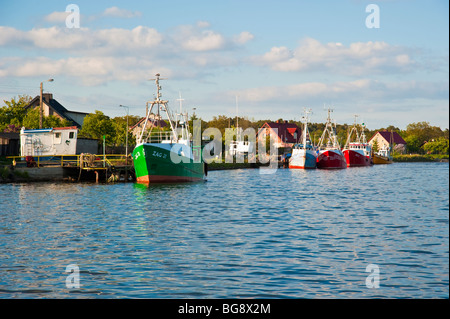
[[183, 121], [331, 132], [164, 104], [237, 121], [305, 126], [350, 134], [363, 135]]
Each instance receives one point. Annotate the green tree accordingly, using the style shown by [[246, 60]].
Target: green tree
[[14, 111], [375, 146], [413, 143], [193, 117], [220, 122], [438, 146], [31, 120], [96, 125], [120, 127], [417, 134]]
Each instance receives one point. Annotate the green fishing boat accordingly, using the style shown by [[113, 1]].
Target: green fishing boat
[[167, 156]]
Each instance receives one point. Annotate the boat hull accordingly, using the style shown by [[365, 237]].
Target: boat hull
[[331, 159], [355, 158], [153, 164], [303, 159], [378, 159]]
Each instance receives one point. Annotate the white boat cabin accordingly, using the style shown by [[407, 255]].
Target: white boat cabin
[[50, 141], [240, 147]]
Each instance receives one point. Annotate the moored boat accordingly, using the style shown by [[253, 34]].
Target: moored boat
[[330, 155], [304, 155], [383, 156], [167, 157], [357, 151]]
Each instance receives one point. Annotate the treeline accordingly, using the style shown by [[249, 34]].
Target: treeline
[[421, 137]]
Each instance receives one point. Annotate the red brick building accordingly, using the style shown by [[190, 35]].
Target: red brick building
[[287, 134]]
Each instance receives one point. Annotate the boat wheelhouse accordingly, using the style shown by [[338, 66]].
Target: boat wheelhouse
[[357, 151], [330, 155], [304, 155]]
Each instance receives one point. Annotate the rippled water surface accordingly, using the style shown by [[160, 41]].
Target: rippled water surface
[[241, 234]]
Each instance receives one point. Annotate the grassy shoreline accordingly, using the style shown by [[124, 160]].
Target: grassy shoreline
[[420, 158], [223, 166]]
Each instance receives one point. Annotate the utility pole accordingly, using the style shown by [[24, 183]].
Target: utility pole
[[126, 143], [126, 134], [40, 103]]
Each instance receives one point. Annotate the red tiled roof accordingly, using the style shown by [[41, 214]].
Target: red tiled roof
[[396, 138], [285, 131], [65, 128], [154, 122]]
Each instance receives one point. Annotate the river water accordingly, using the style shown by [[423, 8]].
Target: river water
[[240, 234]]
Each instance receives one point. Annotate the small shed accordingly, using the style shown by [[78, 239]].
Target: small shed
[[50, 141], [9, 144]]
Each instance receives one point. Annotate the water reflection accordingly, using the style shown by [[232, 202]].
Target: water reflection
[[240, 234]]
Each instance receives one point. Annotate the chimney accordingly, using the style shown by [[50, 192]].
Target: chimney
[[47, 96]]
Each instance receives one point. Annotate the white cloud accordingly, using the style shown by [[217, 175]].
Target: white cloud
[[120, 13], [197, 39], [203, 24], [200, 38], [356, 59], [56, 17], [357, 91], [244, 37], [207, 41], [83, 70], [188, 38], [97, 56], [79, 40]]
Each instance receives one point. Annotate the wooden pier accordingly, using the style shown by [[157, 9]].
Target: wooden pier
[[75, 168]]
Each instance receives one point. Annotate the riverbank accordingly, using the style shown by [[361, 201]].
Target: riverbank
[[224, 166], [420, 158], [8, 175]]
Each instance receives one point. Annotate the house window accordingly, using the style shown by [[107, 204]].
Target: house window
[[71, 134]]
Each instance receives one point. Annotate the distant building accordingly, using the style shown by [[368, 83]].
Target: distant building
[[52, 107], [287, 134], [153, 121], [9, 144], [385, 138]]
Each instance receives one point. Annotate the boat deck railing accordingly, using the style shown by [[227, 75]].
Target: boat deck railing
[[159, 137]]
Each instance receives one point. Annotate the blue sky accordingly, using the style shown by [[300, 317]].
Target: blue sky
[[276, 56]]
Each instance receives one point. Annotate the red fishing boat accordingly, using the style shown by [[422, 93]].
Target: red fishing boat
[[357, 151], [330, 154]]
